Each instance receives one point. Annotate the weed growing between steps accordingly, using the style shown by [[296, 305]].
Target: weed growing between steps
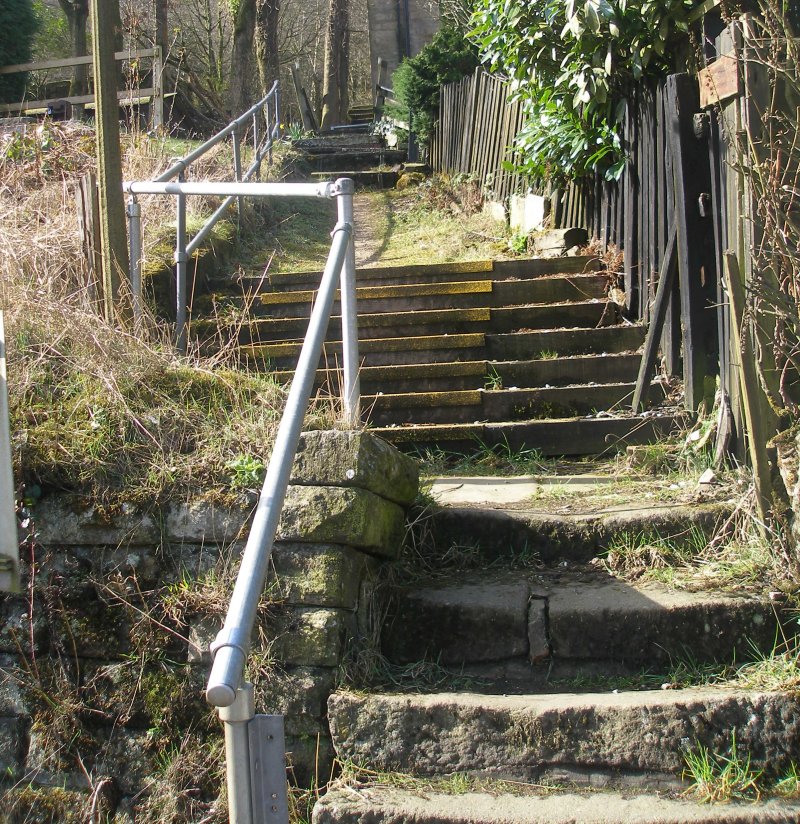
[[730, 776]]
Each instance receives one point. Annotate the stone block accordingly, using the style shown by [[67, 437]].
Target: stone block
[[12, 702], [317, 575], [16, 629], [495, 210], [538, 642], [11, 744], [309, 637], [528, 213], [310, 757], [558, 242], [338, 515], [459, 624], [299, 694], [355, 459], [67, 520], [203, 521]]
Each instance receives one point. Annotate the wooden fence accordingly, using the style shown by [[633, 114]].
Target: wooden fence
[[682, 177], [153, 94]]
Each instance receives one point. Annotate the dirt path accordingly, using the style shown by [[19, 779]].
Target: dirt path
[[370, 210]]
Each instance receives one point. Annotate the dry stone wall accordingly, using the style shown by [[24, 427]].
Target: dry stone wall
[[104, 657]]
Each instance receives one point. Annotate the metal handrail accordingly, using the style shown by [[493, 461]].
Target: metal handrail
[[269, 105], [226, 688]]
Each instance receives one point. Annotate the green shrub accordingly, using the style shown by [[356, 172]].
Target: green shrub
[[572, 63], [17, 28], [447, 58]]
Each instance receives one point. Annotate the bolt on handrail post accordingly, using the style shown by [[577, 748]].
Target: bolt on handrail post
[[134, 212], [237, 168], [351, 395], [235, 719], [180, 275]]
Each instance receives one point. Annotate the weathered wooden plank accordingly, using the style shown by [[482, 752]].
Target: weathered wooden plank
[[671, 337], [720, 81], [630, 230], [696, 269], [666, 278]]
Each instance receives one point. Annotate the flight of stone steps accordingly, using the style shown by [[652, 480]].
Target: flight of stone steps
[[520, 353], [362, 157], [547, 722]]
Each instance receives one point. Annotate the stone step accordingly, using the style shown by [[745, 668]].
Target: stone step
[[500, 295], [466, 405], [351, 162], [444, 377], [541, 344], [577, 268], [556, 619], [365, 178], [428, 322], [384, 804], [497, 534], [570, 436], [528, 737]]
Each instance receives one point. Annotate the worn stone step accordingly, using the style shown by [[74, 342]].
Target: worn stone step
[[351, 162], [526, 737], [463, 406], [571, 436], [503, 534], [502, 296], [583, 271], [542, 344], [383, 804], [377, 351], [546, 343], [444, 377], [363, 178], [561, 618], [425, 322]]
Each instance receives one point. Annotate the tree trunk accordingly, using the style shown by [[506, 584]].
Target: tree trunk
[[267, 43], [243, 33], [77, 14], [113, 235], [335, 98]]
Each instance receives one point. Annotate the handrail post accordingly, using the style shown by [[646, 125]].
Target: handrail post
[[180, 274], [134, 212], [256, 140], [235, 719], [237, 167], [351, 395]]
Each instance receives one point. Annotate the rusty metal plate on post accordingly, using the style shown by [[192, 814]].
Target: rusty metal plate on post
[[268, 770], [719, 81]]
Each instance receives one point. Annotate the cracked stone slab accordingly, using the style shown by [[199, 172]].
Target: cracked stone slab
[[518, 736], [387, 805]]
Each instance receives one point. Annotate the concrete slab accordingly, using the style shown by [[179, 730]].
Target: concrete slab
[[388, 805], [496, 491]]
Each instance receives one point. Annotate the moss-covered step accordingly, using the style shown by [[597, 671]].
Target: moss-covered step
[[585, 282], [522, 737], [362, 178], [392, 324], [376, 352], [553, 616], [460, 375], [548, 343], [449, 295], [597, 435], [506, 804], [463, 406]]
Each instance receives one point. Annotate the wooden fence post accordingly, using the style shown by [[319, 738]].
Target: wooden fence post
[[89, 226], [696, 269]]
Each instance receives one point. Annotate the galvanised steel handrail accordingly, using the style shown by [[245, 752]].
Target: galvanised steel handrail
[[226, 688], [269, 105]]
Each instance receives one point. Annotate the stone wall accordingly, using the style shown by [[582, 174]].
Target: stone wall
[[101, 682], [393, 35]]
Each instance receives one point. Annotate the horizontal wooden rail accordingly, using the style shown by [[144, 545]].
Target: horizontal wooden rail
[[66, 62], [126, 98]]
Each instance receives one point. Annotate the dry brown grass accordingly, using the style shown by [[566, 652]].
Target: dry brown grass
[[95, 408]]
